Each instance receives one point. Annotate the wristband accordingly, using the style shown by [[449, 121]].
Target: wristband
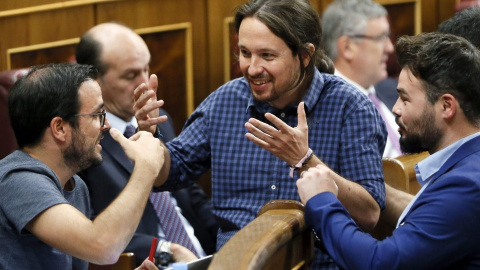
[[158, 134], [302, 162]]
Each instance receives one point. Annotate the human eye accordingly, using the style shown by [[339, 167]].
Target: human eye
[[130, 76], [268, 56], [245, 53]]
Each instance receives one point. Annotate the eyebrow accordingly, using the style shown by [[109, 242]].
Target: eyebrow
[[402, 91], [98, 107]]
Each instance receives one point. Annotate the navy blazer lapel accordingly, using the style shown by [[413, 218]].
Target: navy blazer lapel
[[113, 148], [463, 151]]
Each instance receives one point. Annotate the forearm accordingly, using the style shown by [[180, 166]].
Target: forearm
[[164, 172], [396, 202], [360, 204], [113, 229]]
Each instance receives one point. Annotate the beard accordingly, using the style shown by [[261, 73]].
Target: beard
[[79, 156], [424, 135]]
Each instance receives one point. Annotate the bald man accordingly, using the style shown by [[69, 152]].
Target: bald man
[[122, 59]]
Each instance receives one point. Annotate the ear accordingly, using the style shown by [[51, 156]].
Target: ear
[[346, 48], [306, 57], [448, 105], [60, 129]]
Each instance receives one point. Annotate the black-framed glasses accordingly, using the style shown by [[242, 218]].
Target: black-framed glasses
[[380, 38], [101, 116]]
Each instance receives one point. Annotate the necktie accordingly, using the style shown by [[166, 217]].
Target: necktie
[[390, 129], [167, 214], [171, 223], [129, 131]]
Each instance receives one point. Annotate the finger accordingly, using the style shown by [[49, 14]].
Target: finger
[[302, 117], [137, 93], [277, 122], [153, 83], [143, 111], [257, 141], [151, 121], [266, 128], [118, 136], [258, 133], [146, 97]]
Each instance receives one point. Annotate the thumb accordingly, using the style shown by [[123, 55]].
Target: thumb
[[302, 118]]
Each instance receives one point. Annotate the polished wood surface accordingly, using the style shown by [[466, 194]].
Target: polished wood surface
[[400, 172], [276, 239]]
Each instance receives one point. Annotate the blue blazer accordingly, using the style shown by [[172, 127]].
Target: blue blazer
[[441, 230], [107, 180]]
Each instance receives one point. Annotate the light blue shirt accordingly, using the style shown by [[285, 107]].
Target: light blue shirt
[[426, 168]]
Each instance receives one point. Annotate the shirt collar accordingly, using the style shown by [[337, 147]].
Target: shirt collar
[[430, 165], [118, 123], [310, 98], [369, 90]]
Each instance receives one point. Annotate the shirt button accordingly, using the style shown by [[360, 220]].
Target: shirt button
[[274, 187], [282, 114]]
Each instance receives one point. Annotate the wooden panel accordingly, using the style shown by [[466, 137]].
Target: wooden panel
[[52, 52], [147, 13], [43, 27], [219, 11], [173, 67]]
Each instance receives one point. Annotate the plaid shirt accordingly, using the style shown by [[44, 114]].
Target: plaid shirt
[[345, 131]]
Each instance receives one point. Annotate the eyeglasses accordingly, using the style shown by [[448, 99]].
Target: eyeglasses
[[381, 37], [101, 116]]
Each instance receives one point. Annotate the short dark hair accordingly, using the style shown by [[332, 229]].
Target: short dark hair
[[444, 63], [47, 91], [296, 23], [88, 52], [465, 23]]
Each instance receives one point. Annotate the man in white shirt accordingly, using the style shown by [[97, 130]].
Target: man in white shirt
[[356, 38]]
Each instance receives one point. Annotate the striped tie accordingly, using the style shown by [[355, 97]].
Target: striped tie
[[171, 223]]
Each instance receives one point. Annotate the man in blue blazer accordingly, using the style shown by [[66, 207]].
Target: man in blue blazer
[[122, 58], [438, 111]]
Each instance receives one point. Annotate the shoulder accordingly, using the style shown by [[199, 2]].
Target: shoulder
[[338, 92]]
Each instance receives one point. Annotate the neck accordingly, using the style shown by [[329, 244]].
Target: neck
[[53, 159], [454, 134], [293, 96]]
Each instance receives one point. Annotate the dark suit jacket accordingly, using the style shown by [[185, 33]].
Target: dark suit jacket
[[386, 91], [106, 181]]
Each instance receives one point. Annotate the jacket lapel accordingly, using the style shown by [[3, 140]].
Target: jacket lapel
[[114, 149]]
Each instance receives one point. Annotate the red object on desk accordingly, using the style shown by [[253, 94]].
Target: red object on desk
[[153, 248]]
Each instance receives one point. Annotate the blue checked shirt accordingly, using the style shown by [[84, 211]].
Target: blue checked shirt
[[345, 131]]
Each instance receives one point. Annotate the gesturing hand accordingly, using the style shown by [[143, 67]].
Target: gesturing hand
[[146, 105], [290, 144]]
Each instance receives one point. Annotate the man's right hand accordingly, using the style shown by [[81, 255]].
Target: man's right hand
[[142, 148]]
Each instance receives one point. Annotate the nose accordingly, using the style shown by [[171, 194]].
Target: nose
[[255, 67], [388, 45], [396, 108], [106, 125]]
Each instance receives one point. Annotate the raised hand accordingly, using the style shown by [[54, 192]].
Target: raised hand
[[142, 148], [290, 144], [146, 105]]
